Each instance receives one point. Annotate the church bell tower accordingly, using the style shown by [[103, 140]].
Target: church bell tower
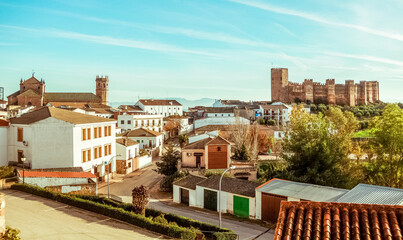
[[102, 87]]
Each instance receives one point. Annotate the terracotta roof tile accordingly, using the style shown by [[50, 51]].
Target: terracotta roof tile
[[328, 221], [3, 123], [126, 142], [198, 145], [142, 132], [159, 102], [219, 140], [32, 80], [61, 114], [71, 97], [39, 174], [30, 93]]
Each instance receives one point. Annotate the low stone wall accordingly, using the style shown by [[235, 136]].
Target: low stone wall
[[81, 189]]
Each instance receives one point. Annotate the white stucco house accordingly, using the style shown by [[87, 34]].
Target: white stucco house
[[56, 138], [4, 125], [129, 122], [161, 107], [277, 111], [146, 138], [218, 112], [220, 121]]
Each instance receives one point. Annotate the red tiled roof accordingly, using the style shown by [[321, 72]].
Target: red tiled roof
[[57, 174], [159, 102], [3, 123], [321, 220], [218, 141]]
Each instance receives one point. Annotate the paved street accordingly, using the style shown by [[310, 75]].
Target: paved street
[[245, 230], [40, 218], [124, 188]]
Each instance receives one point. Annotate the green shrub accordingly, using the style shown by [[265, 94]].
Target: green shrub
[[11, 234], [6, 172]]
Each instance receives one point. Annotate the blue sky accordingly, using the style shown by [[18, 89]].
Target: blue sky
[[194, 49]]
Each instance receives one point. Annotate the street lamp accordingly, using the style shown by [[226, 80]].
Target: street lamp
[[219, 195], [106, 163], [23, 159]]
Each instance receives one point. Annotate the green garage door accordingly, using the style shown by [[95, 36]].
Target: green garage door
[[241, 206], [210, 200]]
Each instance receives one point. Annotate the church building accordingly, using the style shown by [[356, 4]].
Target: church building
[[32, 93]]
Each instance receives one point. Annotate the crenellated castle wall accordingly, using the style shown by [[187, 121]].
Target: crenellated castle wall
[[349, 93]]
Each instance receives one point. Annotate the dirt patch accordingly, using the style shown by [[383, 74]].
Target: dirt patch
[[161, 196]]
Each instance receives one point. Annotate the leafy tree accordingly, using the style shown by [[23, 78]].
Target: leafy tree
[[169, 161], [183, 139], [267, 171], [316, 147], [386, 167], [141, 197], [241, 154]]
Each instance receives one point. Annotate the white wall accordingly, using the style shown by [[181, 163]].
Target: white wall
[[176, 194], [3, 146], [152, 122], [144, 141], [258, 196], [218, 115], [145, 161], [123, 151], [220, 121], [44, 182], [164, 110], [53, 143]]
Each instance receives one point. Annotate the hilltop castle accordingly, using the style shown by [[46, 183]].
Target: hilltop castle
[[329, 93], [32, 93]]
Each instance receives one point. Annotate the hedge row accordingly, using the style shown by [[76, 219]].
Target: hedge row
[[210, 230], [110, 211], [123, 211]]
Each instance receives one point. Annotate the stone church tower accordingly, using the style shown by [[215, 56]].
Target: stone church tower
[[102, 88]]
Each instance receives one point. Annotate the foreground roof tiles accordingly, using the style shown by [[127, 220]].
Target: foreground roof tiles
[[189, 181], [328, 221]]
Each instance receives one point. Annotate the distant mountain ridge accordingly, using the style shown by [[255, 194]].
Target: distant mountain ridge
[[186, 103]]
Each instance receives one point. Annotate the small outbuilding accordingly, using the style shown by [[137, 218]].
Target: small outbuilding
[[184, 190], [237, 195], [270, 195]]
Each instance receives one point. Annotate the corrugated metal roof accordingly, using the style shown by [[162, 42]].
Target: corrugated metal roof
[[372, 194], [303, 191]]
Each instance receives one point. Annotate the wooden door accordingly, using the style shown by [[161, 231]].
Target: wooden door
[[210, 200], [271, 206], [185, 196], [241, 206]]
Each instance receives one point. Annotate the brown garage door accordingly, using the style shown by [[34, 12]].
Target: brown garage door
[[271, 206], [217, 156]]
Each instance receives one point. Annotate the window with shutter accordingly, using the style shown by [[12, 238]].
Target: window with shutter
[[88, 133], [100, 131], [105, 131], [110, 149], [100, 151], [20, 133], [106, 150], [109, 131], [95, 132], [84, 137], [84, 156], [95, 153], [89, 154]]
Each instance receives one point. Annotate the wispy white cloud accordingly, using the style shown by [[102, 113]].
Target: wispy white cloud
[[365, 57], [106, 40], [313, 17]]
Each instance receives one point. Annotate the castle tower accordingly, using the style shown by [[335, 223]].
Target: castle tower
[[331, 91], [102, 88], [279, 85]]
